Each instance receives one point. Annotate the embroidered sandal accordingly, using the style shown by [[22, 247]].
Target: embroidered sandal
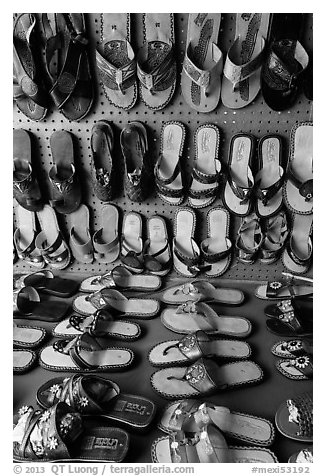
[[298, 368], [289, 286], [290, 349]]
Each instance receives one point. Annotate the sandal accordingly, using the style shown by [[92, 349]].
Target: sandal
[[249, 239], [303, 456], [290, 324], [276, 232], [216, 248], [204, 377], [285, 288], [292, 348], [294, 418], [28, 305], [156, 64], [25, 236], [186, 252], [203, 62], [206, 170], [300, 368], [239, 187], [45, 282], [23, 360], [131, 254], [84, 353], [106, 239], [301, 306], [157, 252], [27, 336], [168, 171], [241, 74], [98, 396], [297, 255], [194, 346], [115, 60], [80, 240], [191, 317]]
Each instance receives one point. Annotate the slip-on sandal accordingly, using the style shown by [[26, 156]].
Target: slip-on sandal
[[80, 240], [249, 239], [65, 187], [28, 88], [242, 68], [23, 360], [69, 77], [131, 253], [196, 345], [60, 434], [50, 242], [27, 336], [25, 236], [44, 281], [298, 185], [103, 170], [114, 301], [157, 252], [297, 254], [98, 396], [285, 288], [299, 368], [249, 428], [200, 290], [28, 305], [25, 184], [191, 317], [115, 60], [290, 349], [303, 456], [239, 186], [206, 169], [121, 278], [99, 324], [216, 248], [156, 64], [290, 324], [203, 62], [270, 176], [186, 252], [106, 239], [294, 418], [167, 170], [302, 306], [204, 377], [84, 353], [276, 232]]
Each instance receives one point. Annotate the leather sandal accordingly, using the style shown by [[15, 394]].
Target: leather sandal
[[27, 305], [249, 239], [45, 282], [297, 254], [157, 252], [80, 241], [131, 253], [286, 287], [28, 337], [298, 368], [23, 360], [25, 236], [290, 324], [276, 232], [290, 349], [106, 239], [186, 252], [294, 418], [302, 306]]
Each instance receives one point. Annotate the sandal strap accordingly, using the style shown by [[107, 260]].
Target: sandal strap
[[90, 323], [32, 294], [305, 187], [215, 257], [265, 194], [183, 448], [166, 181], [163, 74], [84, 249], [243, 193], [200, 76], [301, 412], [169, 192], [205, 193], [190, 345], [47, 252], [101, 248], [181, 414], [117, 78], [192, 262], [151, 261], [73, 348], [202, 375], [26, 253]]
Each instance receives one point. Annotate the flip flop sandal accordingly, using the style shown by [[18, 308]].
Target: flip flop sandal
[[300, 368], [186, 252], [120, 278], [25, 236], [115, 60], [25, 184], [84, 354], [302, 306], [106, 239], [200, 290], [29, 91], [65, 187], [204, 377], [60, 434], [303, 456], [103, 170], [242, 68], [298, 186], [156, 64], [80, 241], [216, 248], [50, 242], [270, 176], [69, 77], [114, 301], [275, 235], [191, 317], [203, 62], [292, 348], [206, 170], [23, 360], [289, 287], [157, 252], [28, 305], [99, 324], [239, 187], [131, 253], [297, 254], [168, 170], [98, 396], [294, 418], [194, 346], [27, 336], [249, 239], [45, 282], [290, 324], [188, 414]]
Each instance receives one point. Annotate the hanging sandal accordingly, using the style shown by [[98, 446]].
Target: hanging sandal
[[249, 239], [115, 60], [25, 236], [45, 282], [203, 62], [28, 336], [287, 287], [186, 252], [131, 254], [275, 234], [297, 255], [291, 349], [157, 252], [106, 239], [294, 418], [206, 170], [80, 241], [168, 171], [299, 368], [27, 305], [23, 360]]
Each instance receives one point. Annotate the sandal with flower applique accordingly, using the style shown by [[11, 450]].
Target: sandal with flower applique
[[300, 368], [301, 306], [294, 418], [290, 324], [292, 348], [284, 288]]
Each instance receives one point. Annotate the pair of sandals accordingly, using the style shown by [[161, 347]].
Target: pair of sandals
[[296, 361]]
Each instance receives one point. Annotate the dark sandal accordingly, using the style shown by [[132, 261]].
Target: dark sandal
[[292, 348], [157, 252], [28, 305], [289, 324], [294, 418], [298, 368], [301, 305], [45, 282]]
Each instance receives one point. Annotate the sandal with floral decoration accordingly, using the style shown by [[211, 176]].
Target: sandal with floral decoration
[[292, 348], [289, 324], [302, 306], [294, 418], [299, 368], [286, 287]]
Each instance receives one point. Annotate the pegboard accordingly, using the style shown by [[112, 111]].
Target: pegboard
[[256, 119]]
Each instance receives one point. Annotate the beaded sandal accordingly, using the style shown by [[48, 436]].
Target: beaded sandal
[[298, 368]]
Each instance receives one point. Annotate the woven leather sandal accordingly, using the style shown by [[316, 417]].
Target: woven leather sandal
[[249, 239], [275, 231], [294, 418]]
